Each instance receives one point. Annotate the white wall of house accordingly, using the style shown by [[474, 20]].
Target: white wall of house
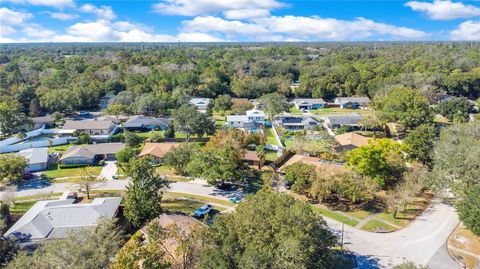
[[77, 160], [36, 167]]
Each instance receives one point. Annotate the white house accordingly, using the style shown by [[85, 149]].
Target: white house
[[37, 159], [253, 121], [200, 103], [352, 102]]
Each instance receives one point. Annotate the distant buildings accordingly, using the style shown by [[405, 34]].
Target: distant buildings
[[89, 154], [91, 127], [336, 121], [54, 219], [143, 123], [296, 123], [309, 103], [352, 102], [44, 121], [253, 121], [37, 159], [106, 100], [200, 103]]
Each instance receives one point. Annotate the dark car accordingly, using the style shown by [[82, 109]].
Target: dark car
[[288, 184], [223, 186], [202, 211]]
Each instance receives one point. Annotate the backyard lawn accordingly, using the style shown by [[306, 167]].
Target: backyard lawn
[[271, 156], [68, 172], [338, 111], [60, 148], [270, 137]]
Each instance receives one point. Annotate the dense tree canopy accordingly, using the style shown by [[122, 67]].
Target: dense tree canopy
[[268, 230]]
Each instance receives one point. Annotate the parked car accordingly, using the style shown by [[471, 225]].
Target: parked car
[[202, 211], [83, 113], [236, 199], [223, 186], [288, 184]]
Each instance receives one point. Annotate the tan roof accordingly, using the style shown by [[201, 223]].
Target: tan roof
[[323, 167], [352, 139], [157, 150], [89, 151], [251, 155], [87, 124]]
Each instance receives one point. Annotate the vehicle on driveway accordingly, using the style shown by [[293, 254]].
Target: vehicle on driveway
[[288, 184], [202, 211]]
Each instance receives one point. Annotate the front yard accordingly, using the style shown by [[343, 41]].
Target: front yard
[[68, 172]]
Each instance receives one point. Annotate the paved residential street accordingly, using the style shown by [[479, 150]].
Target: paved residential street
[[421, 242]]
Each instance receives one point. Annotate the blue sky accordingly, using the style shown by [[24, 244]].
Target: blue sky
[[236, 20]]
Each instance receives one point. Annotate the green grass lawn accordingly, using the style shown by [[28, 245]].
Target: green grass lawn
[[376, 226], [288, 143], [219, 123], [185, 206], [270, 137], [389, 217], [271, 155], [68, 172], [359, 214], [200, 198], [60, 148], [440, 119], [337, 111], [49, 196], [295, 111], [165, 170], [21, 207], [333, 215]]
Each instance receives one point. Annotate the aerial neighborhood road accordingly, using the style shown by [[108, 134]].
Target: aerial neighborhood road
[[421, 242]]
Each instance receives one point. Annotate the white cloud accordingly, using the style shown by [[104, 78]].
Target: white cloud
[[35, 30], [122, 31], [47, 3], [102, 12], [239, 14], [6, 30], [205, 7], [63, 16], [444, 9], [469, 30], [9, 16], [290, 28]]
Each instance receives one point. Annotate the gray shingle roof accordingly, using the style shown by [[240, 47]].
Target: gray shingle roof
[[56, 218], [352, 119], [343, 100], [310, 101], [87, 124], [35, 155], [89, 151], [140, 121]]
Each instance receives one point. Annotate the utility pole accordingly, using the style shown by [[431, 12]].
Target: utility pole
[[343, 228]]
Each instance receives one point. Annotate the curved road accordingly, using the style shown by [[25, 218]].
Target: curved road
[[422, 242]]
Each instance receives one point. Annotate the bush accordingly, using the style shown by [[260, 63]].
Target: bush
[[131, 139], [469, 209]]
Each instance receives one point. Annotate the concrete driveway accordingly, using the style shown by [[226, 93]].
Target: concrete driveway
[[420, 242], [109, 170]]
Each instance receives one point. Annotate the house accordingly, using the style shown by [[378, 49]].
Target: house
[[89, 154], [253, 121], [157, 150], [143, 123], [322, 167], [200, 103], [352, 102], [106, 100], [309, 104], [336, 121], [40, 122], [251, 158], [350, 141], [296, 123], [91, 127], [54, 219], [37, 159]]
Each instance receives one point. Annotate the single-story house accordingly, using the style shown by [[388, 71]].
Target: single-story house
[[309, 103], [323, 167], [253, 121], [252, 158], [54, 219], [336, 121], [44, 121], [296, 123], [37, 159], [350, 141], [143, 123], [352, 102], [89, 154], [106, 100], [200, 103], [157, 150], [91, 127]]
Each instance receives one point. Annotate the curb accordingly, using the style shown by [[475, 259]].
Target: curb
[[448, 249]]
